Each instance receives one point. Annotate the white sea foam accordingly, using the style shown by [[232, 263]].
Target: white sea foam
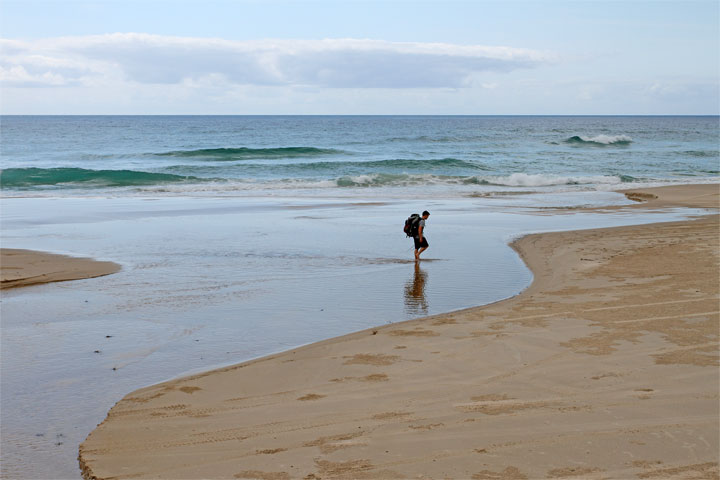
[[544, 180], [369, 184], [607, 139]]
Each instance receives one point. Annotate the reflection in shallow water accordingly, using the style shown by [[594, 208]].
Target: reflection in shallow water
[[415, 301]]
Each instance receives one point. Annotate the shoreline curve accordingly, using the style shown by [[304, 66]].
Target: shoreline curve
[[606, 365]]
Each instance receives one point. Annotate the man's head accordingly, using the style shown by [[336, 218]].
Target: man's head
[[425, 214]]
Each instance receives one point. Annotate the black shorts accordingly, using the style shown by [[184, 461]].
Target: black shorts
[[419, 244]]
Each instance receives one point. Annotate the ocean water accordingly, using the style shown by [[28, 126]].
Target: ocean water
[[348, 155], [244, 236]]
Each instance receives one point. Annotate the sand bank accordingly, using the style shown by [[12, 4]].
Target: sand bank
[[696, 196], [605, 367], [20, 268]]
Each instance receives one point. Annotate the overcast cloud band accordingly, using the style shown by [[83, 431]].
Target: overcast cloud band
[[337, 63]]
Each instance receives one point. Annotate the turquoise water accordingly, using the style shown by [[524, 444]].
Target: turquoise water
[[347, 155]]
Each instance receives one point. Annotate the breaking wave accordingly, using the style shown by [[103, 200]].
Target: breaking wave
[[543, 180], [37, 177], [514, 180], [600, 140], [29, 178]]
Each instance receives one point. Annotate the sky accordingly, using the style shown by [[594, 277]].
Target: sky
[[249, 57]]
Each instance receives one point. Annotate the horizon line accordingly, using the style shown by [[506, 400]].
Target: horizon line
[[360, 114]]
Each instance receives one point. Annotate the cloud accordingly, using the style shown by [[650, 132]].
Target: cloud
[[335, 63]]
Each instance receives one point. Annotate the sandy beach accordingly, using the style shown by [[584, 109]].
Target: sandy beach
[[21, 268], [605, 367]]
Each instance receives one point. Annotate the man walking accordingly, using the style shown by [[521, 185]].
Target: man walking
[[421, 243]]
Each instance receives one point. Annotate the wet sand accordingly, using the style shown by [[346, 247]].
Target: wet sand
[[21, 268], [605, 367], [697, 196]]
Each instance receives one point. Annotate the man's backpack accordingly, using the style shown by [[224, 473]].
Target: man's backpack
[[411, 225]]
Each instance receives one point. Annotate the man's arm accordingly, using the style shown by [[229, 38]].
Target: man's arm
[[420, 230]]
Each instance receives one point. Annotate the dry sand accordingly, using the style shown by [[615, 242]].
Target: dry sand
[[20, 268], [605, 367]]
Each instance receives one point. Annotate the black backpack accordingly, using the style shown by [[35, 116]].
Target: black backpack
[[411, 225]]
